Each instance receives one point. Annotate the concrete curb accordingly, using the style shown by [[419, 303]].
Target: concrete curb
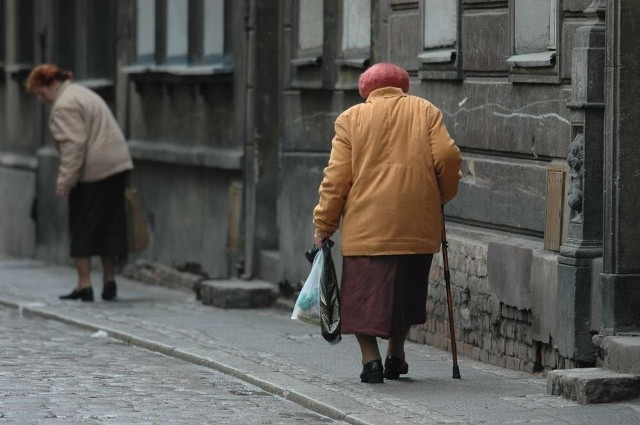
[[299, 398]]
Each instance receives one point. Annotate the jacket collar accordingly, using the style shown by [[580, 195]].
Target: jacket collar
[[62, 88], [384, 93]]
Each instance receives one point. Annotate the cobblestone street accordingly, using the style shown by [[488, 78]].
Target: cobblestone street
[[54, 373]]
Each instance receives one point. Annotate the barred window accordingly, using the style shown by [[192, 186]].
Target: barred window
[[180, 32]]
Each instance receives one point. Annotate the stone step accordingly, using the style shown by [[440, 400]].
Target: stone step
[[238, 293], [593, 385]]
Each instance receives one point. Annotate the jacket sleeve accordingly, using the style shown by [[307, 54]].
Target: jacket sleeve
[[446, 157], [336, 183], [69, 132]]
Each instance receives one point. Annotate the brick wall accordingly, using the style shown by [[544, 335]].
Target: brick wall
[[487, 328]]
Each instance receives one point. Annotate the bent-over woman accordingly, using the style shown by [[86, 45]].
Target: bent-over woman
[[94, 161]]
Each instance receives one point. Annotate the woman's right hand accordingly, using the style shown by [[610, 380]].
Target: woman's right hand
[[62, 191]]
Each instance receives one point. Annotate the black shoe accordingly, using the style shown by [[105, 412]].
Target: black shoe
[[394, 367], [85, 294], [109, 291], [372, 372]]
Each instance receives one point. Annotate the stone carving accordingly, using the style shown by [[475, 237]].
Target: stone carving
[[575, 159]]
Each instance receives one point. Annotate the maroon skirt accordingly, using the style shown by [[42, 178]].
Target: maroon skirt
[[383, 294]]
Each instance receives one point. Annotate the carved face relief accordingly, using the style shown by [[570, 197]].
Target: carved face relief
[[575, 159]]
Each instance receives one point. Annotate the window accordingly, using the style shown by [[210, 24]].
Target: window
[[213, 34], [354, 48], [308, 44], [338, 65], [177, 31], [534, 33], [174, 34], [98, 51], [439, 57], [310, 30], [2, 19], [146, 31], [356, 32], [83, 40]]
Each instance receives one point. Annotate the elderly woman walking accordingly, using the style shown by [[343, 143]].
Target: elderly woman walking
[[94, 161], [392, 166]]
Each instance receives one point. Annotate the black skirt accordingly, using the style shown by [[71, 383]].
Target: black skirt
[[97, 218], [382, 295]]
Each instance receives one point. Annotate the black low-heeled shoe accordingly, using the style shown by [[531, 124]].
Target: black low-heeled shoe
[[372, 372], [394, 367], [109, 291], [85, 294]]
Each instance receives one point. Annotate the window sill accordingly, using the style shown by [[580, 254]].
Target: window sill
[[178, 73], [534, 68], [18, 71], [202, 156], [306, 61], [437, 56], [18, 161], [441, 64], [358, 63], [96, 84], [533, 60]]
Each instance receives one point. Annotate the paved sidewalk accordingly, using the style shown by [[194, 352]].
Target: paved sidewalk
[[290, 359]]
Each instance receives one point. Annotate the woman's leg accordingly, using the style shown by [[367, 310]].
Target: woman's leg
[[396, 343], [83, 267], [368, 347], [108, 269]]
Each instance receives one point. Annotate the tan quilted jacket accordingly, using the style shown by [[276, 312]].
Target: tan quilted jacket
[[391, 167], [87, 136]]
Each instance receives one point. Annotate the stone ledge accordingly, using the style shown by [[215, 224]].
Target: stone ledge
[[619, 353], [238, 293], [592, 385]]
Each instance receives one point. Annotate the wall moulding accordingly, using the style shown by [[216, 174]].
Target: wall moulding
[[404, 4]]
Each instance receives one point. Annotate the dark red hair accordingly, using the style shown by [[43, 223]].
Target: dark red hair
[[45, 74], [383, 75]]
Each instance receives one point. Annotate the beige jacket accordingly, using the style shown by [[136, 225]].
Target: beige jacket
[[392, 166], [87, 136]]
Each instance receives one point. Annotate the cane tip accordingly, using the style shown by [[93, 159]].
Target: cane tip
[[456, 373]]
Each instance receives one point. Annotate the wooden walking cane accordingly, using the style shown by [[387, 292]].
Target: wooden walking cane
[[447, 278]]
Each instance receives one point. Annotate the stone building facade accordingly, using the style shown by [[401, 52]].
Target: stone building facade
[[228, 107]]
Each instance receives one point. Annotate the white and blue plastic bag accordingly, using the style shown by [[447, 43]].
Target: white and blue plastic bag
[[307, 307]]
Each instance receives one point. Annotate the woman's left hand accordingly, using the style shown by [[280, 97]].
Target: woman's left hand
[[317, 241]]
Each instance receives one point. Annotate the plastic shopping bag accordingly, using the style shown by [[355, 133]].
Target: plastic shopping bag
[[307, 307]]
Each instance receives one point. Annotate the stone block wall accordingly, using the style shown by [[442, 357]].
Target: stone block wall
[[488, 326]]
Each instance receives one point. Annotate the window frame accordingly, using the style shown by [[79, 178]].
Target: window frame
[[350, 62], [329, 66], [357, 57], [539, 65], [442, 62], [306, 64], [194, 63], [2, 38]]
